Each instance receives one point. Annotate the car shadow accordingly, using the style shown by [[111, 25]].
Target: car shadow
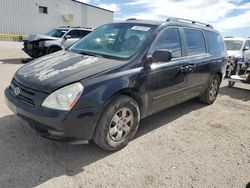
[[164, 117], [236, 93], [248, 185], [16, 61], [28, 160]]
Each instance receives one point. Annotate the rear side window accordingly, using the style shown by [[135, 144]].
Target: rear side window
[[215, 42], [74, 34], [84, 33], [195, 42], [169, 39]]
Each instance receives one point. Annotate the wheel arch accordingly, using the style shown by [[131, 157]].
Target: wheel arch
[[130, 92], [54, 46], [220, 75]]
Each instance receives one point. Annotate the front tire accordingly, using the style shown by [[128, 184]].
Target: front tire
[[118, 124], [54, 49], [231, 84], [210, 95]]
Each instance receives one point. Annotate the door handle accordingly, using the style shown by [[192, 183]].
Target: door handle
[[191, 65], [185, 68]]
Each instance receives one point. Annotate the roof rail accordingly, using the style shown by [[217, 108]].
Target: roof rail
[[130, 19], [75, 27], [229, 37], [188, 21]]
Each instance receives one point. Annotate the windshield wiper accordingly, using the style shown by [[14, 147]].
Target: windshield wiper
[[87, 53]]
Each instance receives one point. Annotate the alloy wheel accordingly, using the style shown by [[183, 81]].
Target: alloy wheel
[[213, 90], [121, 124]]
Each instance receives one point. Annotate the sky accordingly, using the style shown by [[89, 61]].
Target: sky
[[230, 17]]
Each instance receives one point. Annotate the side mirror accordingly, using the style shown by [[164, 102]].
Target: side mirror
[[161, 55], [246, 48], [67, 37]]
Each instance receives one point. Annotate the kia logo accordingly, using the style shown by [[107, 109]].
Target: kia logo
[[17, 91]]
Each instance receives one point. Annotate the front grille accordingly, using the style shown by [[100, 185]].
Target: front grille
[[26, 95]]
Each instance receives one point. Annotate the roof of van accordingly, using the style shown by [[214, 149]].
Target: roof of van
[[172, 22]]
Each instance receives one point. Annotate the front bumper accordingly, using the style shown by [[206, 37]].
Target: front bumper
[[56, 124], [33, 50]]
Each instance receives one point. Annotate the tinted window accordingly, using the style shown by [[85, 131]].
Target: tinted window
[[169, 39], [215, 42], [74, 34], [195, 42], [84, 33]]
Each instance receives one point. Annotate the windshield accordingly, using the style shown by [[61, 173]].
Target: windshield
[[118, 41], [58, 33], [233, 44]]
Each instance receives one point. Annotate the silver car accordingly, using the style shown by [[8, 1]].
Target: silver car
[[57, 39], [239, 54]]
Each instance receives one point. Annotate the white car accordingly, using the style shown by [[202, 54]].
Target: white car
[[57, 39], [239, 53]]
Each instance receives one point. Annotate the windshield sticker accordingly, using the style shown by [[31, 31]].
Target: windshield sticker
[[140, 28]]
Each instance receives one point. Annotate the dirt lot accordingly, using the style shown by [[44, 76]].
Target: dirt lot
[[190, 145]]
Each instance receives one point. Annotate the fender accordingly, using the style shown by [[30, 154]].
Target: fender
[[100, 90]]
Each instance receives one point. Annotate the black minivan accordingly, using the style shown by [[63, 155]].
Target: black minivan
[[102, 86]]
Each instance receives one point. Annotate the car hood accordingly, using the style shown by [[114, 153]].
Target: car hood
[[234, 53], [33, 38], [56, 70]]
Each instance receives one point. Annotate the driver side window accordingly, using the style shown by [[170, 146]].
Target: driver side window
[[169, 39]]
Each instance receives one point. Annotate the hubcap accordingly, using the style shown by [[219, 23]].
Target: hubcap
[[121, 124], [213, 90]]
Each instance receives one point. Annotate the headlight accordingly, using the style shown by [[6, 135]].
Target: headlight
[[64, 98]]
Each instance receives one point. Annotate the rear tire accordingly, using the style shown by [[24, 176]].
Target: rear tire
[[118, 124], [210, 95]]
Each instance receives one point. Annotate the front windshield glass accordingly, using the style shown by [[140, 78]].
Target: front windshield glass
[[118, 41], [233, 44], [58, 33]]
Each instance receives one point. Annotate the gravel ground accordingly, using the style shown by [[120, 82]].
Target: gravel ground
[[190, 145]]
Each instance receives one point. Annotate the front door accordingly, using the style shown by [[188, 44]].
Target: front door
[[166, 81], [75, 35]]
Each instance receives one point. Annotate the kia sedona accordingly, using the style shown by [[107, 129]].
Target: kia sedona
[[102, 86]]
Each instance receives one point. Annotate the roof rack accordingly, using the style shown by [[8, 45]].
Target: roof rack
[[188, 21], [130, 19], [75, 27]]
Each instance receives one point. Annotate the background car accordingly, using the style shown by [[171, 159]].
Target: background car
[[57, 39], [239, 52]]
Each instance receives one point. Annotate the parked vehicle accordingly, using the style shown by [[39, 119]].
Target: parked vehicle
[[239, 52], [57, 39], [102, 86]]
